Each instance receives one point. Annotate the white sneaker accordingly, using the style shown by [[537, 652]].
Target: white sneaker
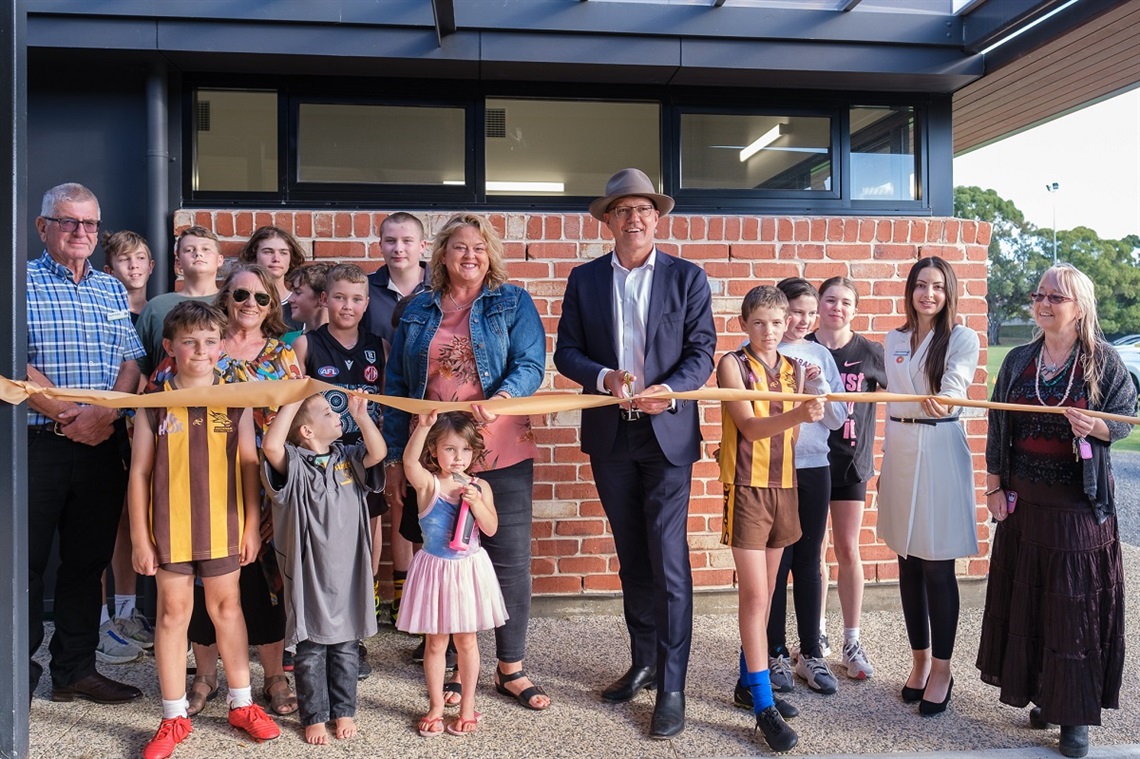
[[136, 628], [113, 648], [824, 645], [816, 674], [855, 659], [780, 674]]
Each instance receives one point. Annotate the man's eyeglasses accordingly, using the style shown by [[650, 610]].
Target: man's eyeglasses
[[90, 226], [624, 212], [241, 295], [1053, 298]]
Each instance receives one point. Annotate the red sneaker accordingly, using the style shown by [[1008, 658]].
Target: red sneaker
[[254, 721], [170, 733]]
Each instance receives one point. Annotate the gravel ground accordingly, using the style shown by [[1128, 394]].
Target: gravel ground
[[1126, 472]]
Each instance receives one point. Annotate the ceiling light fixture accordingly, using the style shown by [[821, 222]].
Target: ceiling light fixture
[[763, 141]]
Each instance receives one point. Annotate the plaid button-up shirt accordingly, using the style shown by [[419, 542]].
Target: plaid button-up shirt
[[79, 334]]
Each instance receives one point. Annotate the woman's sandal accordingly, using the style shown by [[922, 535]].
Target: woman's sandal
[[524, 698], [462, 727], [282, 700], [203, 688], [427, 726], [452, 688]]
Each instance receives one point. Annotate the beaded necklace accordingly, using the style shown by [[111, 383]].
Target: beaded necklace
[[1068, 388]]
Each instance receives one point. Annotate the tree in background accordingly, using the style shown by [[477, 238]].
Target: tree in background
[[1112, 266]]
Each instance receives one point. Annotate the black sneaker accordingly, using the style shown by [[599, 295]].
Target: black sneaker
[[742, 699], [777, 734], [451, 657], [364, 669], [418, 653]]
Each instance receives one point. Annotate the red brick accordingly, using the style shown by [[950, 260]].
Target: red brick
[[887, 571], [554, 547], [817, 271], [872, 271], [224, 224], [602, 582], [900, 252], [732, 228], [713, 577], [231, 248], [529, 270], [598, 546], [323, 225], [722, 270], [283, 220], [514, 251], [572, 226], [542, 566], [950, 228], [920, 231], [901, 231], [559, 584], [744, 250], [787, 230], [362, 225], [338, 249], [545, 250], [539, 530], [848, 252], [579, 526], [816, 233], [697, 225], [582, 565], [303, 224], [204, 219], [948, 252], [775, 271], [262, 219], [835, 229], [534, 228], [884, 231], [553, 227]]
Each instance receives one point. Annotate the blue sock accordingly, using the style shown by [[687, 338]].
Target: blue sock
[[743, 668], [761, 687]]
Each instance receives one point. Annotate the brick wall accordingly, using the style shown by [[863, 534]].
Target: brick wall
[[573, 549]]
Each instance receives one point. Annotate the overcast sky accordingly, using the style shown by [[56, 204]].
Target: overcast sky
[[1094, 154]]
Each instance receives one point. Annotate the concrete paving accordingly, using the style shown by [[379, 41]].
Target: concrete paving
[[574, 655]]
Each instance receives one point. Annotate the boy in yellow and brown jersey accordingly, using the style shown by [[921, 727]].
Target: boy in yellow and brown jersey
[[758, 469], [194, 504]]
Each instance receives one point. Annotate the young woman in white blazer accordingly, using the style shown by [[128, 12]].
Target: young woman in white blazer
[[926, 489]]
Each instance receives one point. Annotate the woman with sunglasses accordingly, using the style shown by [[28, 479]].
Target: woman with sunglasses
[[1053, 629], [251, 351], [926, 489]]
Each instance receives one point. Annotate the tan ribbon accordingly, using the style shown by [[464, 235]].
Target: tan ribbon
[[280, 392]]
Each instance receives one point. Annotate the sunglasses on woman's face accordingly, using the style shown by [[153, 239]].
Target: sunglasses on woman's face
[[1053, 298], [241, 295]]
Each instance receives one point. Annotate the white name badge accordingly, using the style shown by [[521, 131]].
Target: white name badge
[[113, 316]]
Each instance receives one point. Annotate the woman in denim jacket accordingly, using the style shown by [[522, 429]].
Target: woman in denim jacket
[[474, 337]]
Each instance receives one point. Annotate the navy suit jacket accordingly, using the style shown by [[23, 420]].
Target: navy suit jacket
[[679, 349]]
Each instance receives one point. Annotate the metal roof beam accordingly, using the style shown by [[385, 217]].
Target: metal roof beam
[[444, 13], [850, 5], [990, 22]]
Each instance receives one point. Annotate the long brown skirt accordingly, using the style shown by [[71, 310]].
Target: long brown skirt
[[1053, 630]]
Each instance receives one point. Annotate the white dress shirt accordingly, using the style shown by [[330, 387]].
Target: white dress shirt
[[631, 318]]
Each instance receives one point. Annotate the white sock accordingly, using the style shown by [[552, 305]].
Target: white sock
[[239, 697], [850, 635], [124, 606], [823, 625], [179, 707], [104, 618]]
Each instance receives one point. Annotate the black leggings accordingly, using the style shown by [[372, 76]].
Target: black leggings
[[929, 592], [813, 487]]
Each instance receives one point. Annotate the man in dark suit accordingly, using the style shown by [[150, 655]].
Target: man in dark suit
[[639, 322]]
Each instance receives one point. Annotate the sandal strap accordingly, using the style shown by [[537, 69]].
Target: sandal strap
[[274, 680], [505, 678]]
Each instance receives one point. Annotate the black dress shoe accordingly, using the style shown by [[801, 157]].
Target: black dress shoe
[[742, 699], [668, 715], [628, 685], [95, 687], [930, 707], [1038, 722], [912, 695], [1074, 741]]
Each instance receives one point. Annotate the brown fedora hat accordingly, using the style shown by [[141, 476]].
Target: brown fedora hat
[[630, 182]]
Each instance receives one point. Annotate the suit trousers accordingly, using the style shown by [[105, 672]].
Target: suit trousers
[[76, 490], [646, 499]]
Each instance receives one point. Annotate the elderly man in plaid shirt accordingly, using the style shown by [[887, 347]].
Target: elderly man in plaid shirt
[[79, 335]]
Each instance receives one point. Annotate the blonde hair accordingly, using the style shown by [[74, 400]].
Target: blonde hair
[[496, 271], [1074, 283]]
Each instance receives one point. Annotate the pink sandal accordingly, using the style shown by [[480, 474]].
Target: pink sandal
[[428, 724], [462, 727]]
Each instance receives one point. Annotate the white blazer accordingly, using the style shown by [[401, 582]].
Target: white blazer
[[926, 488]]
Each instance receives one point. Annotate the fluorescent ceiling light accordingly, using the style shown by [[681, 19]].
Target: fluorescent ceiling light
[[515, 186], [763, 141]]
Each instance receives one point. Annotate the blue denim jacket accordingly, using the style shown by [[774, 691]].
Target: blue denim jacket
[[507, 337]]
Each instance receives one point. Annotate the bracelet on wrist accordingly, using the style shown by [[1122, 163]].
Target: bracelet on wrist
[[988, 493]]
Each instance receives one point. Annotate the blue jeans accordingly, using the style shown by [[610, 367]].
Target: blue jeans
[[326, 680]]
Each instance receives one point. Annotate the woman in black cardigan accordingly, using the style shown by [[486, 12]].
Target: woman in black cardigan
[[1053, 631]]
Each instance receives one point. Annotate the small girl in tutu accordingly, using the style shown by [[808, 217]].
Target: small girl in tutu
[[448, 591]]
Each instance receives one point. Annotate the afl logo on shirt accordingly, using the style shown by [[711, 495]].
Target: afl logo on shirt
[[371, 374], [328, 371], [370, 357]]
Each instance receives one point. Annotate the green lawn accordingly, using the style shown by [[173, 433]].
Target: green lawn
[[993, 363]]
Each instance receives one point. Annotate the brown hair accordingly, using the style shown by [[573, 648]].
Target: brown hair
[[123, 243], [303, 416], [839, 282], [274, 323], [496, 271], [446, 423], [313, 275], [195, 231], [190, 315], [764, 296], [248, 254], [944, 320], [403, 217], [345, 273]]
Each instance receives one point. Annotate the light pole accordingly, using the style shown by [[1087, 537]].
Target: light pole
[[1052, 190]]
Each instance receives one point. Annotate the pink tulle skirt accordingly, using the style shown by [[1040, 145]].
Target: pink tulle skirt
[[451, 595]]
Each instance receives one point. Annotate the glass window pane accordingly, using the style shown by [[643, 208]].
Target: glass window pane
[[755, 152], [882, 153], [235, 140], [381, 144], [551, 148]]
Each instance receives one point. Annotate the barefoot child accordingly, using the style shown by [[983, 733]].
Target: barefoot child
[[757, 468], [194, 509], [450, 591], [320, 527]]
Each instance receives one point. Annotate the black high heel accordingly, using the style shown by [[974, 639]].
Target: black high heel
[[928, 708], [912, 695]]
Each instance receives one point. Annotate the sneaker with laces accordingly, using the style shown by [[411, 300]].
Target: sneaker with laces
[[254, 721], [815, 672], [824, 645], [780, 673], [776, 732], [742, 699], [136, 628], [170, 733], [855, 660], [113, 648]]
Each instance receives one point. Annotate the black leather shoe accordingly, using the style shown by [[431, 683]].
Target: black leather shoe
[[95, 687], [742, 699], [1074, 741], [912, 695], [628, 685], [777, 734], [1038, 722], [930, 707], [668, 715]]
